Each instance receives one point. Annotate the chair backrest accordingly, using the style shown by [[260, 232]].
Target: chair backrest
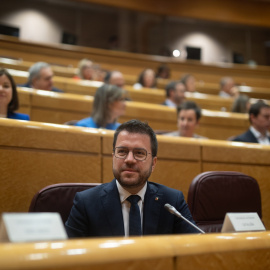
[[58, 198], [213, 194]]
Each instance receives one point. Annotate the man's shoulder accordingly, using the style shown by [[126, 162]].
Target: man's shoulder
[[162, 188], [245, 137]]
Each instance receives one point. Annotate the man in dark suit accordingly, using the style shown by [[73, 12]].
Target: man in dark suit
[[259, 117], [175, 94], [41, 77], [106, 209]]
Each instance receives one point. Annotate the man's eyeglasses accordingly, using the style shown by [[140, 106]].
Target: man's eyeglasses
[[138, 153]]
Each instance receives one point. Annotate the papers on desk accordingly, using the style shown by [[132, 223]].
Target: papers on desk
[[28, 227]]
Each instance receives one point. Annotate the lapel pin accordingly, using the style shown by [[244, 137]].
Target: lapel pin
[[156, 199]]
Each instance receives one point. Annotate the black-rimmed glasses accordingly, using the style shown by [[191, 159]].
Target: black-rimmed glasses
[[138, 153]]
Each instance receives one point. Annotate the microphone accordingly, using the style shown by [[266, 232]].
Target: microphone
[[173, 211]]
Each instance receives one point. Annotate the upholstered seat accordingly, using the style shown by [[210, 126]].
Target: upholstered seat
[[213, 194], [57, 198]]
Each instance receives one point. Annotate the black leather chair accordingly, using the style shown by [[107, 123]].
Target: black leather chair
[[58, 198], [213, 194]]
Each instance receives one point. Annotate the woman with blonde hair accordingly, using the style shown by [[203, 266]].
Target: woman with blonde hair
[[109, 104]]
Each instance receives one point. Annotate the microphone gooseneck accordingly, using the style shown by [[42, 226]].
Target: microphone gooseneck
[[173, 211]]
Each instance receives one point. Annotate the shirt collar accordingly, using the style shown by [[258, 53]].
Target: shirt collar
[[258, 134], [170, 103], [125, 194]]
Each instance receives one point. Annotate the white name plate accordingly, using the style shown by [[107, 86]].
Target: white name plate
[[242, 222], [30, 227]]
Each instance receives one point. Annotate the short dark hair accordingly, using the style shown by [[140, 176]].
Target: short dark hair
[[14, 103], [136, 126], [255, 108], [190, 105]]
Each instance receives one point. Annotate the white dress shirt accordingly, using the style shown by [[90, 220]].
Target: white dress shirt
[[126, 204], [260, 137]]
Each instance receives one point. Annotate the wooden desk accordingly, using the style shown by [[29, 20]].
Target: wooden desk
[[59, 108], [207, 252], [34, 155]]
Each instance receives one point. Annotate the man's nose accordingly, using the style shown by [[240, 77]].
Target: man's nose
[[130, 157]]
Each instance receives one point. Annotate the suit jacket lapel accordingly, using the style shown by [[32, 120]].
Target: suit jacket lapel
[[153, 201], [113, 209], [251, 136]]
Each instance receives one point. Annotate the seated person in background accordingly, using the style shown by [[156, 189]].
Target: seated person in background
[[146, 79], [228, 88], [85, 70], [189, 81], [41, 77], [188, 116], [259, 118], [109, 104], [9, 101], [163, 72], [175, 93], [130, 204], [241, 104], [116, 78]]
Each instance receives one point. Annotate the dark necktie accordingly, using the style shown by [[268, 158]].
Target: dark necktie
[[135, 227]]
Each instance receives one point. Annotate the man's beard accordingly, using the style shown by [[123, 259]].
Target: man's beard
[[139, 181]]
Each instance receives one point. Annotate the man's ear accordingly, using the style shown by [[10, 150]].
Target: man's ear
[[154, 162]]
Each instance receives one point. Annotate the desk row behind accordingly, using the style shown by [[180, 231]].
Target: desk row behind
[[58, 108]]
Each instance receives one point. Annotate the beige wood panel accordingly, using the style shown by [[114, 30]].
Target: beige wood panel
[[240, 260], [176, 174], [260, 173], [53, 116], [130, 63], [36, 135], [34, 155], [218, 251], [235, 152], [24, 172]]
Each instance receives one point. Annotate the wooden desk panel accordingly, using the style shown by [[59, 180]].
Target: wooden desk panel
[[209, 251], [34, 155]]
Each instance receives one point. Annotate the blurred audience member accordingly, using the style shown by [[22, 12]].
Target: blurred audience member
[[163, 72], [259, 118], [241, 104], [188, 117], [189, 81], [146, 79], [9, 101], [109, 104], [85, 70], [41, 77], [115, 78], [175, 93], [228, 88]]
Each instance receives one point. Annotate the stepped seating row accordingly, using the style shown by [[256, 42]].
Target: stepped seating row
[[58, 108], [131, 63], [157, 96], [35, 155]]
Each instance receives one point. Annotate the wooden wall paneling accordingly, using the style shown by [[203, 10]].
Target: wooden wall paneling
[[34, 155]]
